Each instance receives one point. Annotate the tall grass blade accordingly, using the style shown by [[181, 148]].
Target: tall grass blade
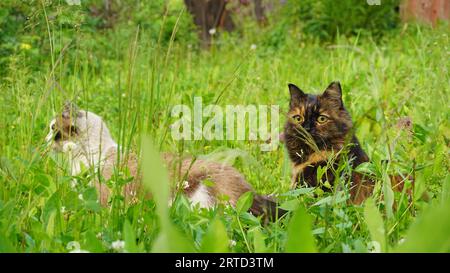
[[375, 223], [156, 180]]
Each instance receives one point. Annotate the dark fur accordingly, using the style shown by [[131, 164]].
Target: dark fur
[[226, 179], [330, 136]]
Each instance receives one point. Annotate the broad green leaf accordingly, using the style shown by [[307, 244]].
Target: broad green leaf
[[375, 223], [44, 184], [244, 202], [216, 239], [5, 244], [290, 205], [129, 237], [90, 199], [318, 231], [258, 241], [366, 167], [155, 178], [50, 229], [51, 206], [420, 132], [90, 194], [170, 239], [430, 232], [388, 195], [299, 235], [320, 172], [162, 244], [445, 196], [298, 192], [92, 243], [339, 197], [360, 247]]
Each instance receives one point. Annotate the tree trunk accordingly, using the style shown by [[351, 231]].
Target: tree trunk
[[259, 12], [209, 15]]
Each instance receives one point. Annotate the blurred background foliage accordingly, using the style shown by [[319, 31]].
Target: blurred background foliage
[[24, 25]]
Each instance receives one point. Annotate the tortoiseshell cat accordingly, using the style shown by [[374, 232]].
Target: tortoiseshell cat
[[318, 128]]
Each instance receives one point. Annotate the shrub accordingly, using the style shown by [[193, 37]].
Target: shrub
[[325, 19]]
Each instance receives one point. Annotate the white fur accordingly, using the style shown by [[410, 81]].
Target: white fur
[[202, 197], [90, 146], [49, 136]]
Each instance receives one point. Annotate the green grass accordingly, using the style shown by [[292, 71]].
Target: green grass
[[133, 83]]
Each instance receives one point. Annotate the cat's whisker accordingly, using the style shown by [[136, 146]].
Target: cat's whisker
[[307, 138]]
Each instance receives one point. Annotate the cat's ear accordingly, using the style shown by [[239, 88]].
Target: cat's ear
[[297, 95], [333, 92]]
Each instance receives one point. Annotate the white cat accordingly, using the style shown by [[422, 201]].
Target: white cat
[[85, 138]]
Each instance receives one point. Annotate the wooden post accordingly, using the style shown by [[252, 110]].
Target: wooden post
[[429, 11]]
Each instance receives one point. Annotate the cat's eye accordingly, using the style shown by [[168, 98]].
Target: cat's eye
[[73, 130], [57, 136], [322, 119], [297, 118]]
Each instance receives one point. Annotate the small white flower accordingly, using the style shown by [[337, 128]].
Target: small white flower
[[73, 2], [73, 244], [69, 146], [374, 247], [73, 183], [74, 247], [253, 47], [212, 31], [232, 243], [118, 245], [63, 209], [80, 196], [374, 2], [185, 184]]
